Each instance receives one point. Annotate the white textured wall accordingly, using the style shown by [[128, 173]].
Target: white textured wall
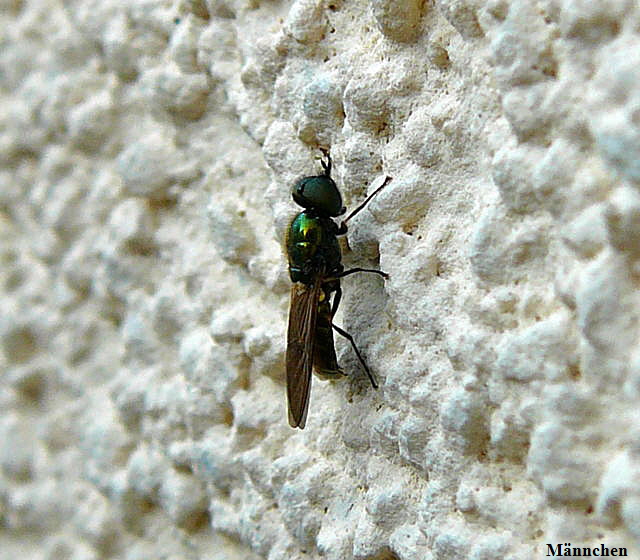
[[147, 149]]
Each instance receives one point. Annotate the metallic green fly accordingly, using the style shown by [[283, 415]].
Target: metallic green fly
[[315, 268]]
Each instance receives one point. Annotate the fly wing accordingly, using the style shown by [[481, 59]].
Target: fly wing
[[303, 312]]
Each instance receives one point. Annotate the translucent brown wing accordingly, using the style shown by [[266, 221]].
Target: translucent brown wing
[[303, 311]]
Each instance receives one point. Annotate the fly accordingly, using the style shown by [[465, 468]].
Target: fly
[[315, 268]]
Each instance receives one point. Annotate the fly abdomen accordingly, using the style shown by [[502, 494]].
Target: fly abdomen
[[325, 362]]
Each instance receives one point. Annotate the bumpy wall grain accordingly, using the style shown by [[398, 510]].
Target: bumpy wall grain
[[147, 150]]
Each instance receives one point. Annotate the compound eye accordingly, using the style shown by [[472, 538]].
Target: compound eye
[[319, 193]]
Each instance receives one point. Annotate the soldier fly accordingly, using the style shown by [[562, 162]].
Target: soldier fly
[[315, 268]]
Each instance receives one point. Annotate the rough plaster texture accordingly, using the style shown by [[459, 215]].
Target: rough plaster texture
[[147, 149]]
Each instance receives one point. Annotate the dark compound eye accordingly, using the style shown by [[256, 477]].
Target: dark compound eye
[[319, 193]]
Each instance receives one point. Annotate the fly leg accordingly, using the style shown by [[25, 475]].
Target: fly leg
[[344, 333], [343, 226], [336, 299], [326, 165], [334, 307], [354, 270]]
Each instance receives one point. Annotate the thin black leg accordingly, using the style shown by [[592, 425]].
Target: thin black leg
[[344, 333], [354, 270], [326, 165], [343, 225]]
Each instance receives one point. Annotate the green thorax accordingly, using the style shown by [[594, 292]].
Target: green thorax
[[312, 247]]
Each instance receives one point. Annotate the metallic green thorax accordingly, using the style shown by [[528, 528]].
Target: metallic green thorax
[[312, 247]]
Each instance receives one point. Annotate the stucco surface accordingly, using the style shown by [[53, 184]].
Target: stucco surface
[[147, 151]]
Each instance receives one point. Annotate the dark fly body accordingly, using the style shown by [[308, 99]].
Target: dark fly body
[[315, 268]]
